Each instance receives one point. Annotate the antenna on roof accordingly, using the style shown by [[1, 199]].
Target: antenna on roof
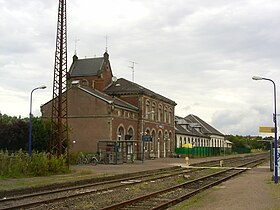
[[106, 42], [76, 40], [132, 67]]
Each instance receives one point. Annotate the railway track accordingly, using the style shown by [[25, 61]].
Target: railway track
[[38, 200], [170, 196], [50, 196]]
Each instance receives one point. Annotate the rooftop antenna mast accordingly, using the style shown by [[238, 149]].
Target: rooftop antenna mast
[[132, 68], [59, 119], [106, 42], [76, 41]]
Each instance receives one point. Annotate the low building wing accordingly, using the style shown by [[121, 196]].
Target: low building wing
[[205, 127]]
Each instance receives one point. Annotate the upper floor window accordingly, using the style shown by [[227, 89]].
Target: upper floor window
[[85, 82], [153, 111], [147, 110], [170, 116], [100, 76], [165, 115], [159, 113]]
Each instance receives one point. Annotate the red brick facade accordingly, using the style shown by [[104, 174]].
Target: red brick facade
[[97, 113]]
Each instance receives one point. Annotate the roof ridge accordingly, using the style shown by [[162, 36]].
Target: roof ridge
[[92, 93], [145, 90], [103, 96], [195, 117]]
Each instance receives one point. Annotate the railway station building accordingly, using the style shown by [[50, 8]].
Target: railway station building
[[110, 115]]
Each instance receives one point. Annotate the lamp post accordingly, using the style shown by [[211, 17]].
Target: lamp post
[[275, 128], [30, 120]]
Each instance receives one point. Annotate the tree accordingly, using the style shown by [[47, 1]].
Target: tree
[[40, 134], [244, 144], [14, 133]]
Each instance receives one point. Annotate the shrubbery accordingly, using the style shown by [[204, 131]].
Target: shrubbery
[[244, 144], [19, 164]]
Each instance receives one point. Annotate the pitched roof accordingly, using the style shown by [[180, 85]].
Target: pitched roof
[[125, 87], [86, 67], [186, 130], [205, 127], [180, 130], [109, 99]]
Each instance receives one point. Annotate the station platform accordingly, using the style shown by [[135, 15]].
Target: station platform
[[252, 190]]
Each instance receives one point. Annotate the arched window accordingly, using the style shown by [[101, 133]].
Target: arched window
[[160, 144], [160, 113], [153, 141], [147, 132], [153, 111], [85, 82], [169, 142], [120, 133], [170, 116], [130, 133], [165, 115], [147, 110]]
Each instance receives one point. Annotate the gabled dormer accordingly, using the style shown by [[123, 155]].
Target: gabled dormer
[[95, 72]]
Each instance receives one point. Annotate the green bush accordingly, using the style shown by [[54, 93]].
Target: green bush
[[73, 157], [19, 164], [38, 164], [58, 165]]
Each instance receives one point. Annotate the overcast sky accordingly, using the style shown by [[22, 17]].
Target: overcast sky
[[200, 53]]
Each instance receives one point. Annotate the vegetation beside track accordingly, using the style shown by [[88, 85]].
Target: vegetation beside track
[[20, 164]]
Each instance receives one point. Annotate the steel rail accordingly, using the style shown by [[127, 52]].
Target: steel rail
[[85, 192], [64, 189], [179, 186], [188, 195], [57, 199]]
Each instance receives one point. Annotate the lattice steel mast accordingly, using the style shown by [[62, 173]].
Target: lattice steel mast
[[59, 122]]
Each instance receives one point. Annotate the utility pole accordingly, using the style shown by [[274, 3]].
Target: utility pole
[[59, 121]]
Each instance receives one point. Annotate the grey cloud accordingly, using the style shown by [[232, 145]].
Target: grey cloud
[[242, 121], [201, 54]]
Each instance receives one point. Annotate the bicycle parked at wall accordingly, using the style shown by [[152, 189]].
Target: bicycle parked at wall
[[87, 159], [92, 159]]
